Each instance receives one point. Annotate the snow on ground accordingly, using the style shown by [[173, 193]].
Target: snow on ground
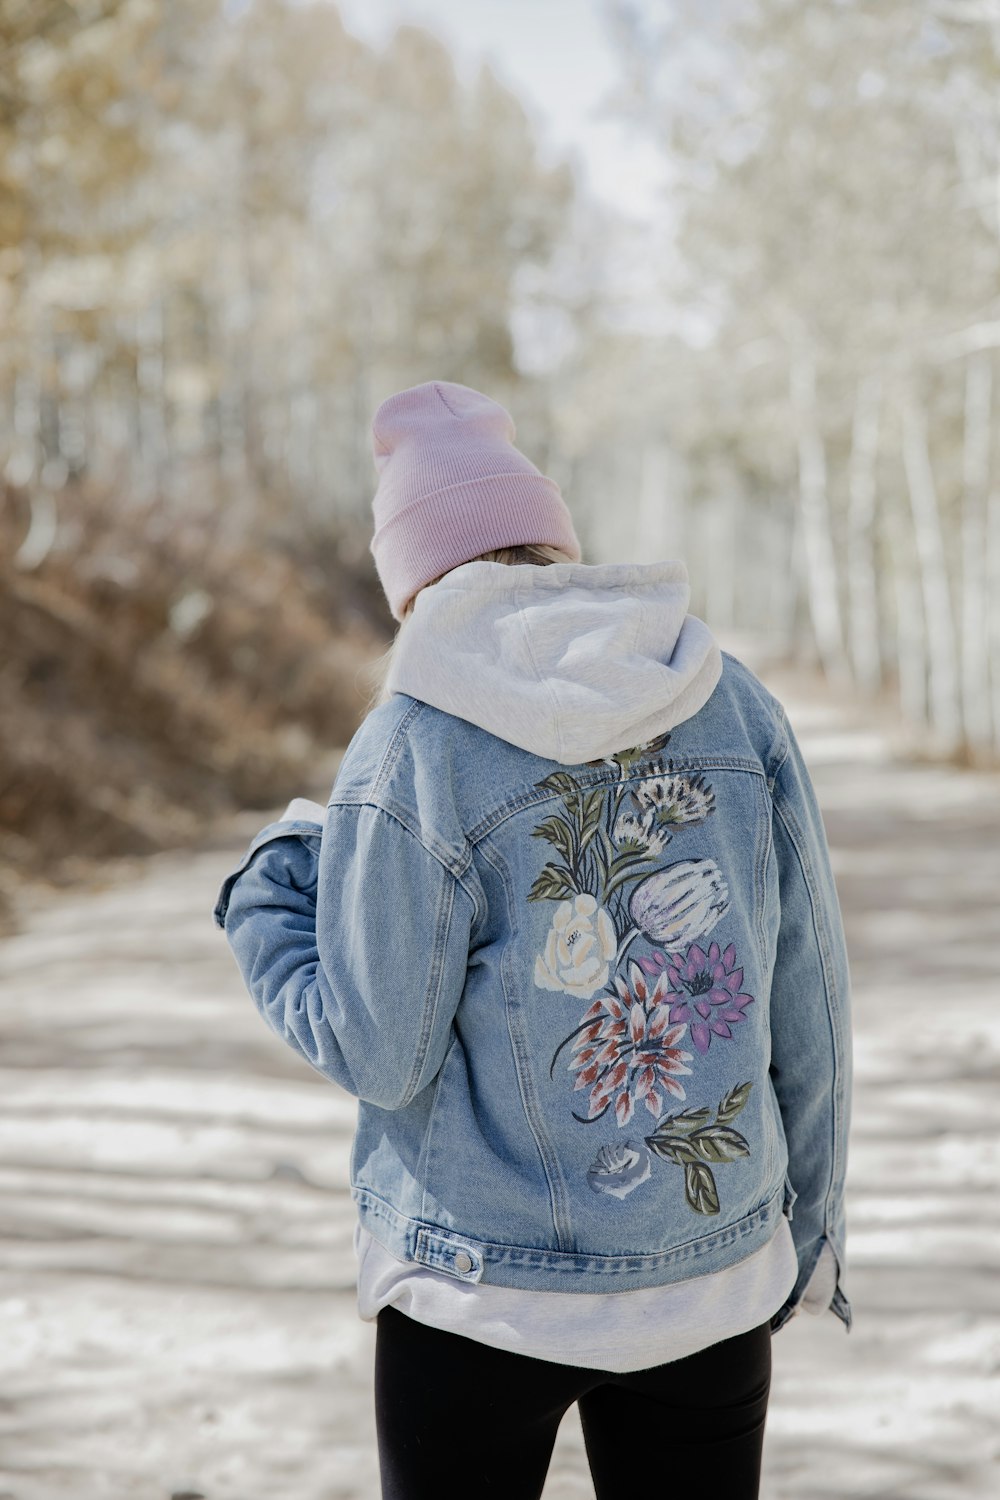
[[176, 1277]]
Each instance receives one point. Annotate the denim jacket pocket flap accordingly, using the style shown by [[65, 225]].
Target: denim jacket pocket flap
[[455, 1256]]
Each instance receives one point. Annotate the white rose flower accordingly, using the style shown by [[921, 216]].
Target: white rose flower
[[580, 946]]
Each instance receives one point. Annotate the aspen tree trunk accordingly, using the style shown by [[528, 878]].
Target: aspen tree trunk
[[657, 532], [713, 527], [110, 399], [784, 574], [814, 509], [304, 401], [976, 708], [911, 632], [28, 464], [362, 470], [862, 576], [151, 399], [993, 597], [723, 572], [942, 646], [42, 530], [27, 404], [236, 319]]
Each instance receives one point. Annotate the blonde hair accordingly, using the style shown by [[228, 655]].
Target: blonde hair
[[377, 671]]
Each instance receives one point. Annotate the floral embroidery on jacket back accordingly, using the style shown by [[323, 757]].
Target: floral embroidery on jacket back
[[618, 884]]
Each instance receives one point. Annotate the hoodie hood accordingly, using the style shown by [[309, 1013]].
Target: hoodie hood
[[570, 661]]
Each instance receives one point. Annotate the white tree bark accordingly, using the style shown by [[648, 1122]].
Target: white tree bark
[[153, 435], [911, 634], [862, 575], [656, 532], [786, 555], [42, 531], [976, 707], [814, 508], [942, 646], [993, 596], [720, 529]]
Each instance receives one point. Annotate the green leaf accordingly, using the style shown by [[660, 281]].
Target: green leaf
[[596, 851], [557, 831], [718, 1143], [673, 1148], [593, 807], [566, 785], [557, 781], [630, 757], [700, 1189], [554, 883], [686, 1119], [733, 1103]]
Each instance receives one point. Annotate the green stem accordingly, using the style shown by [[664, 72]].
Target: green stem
[[602, 861], [629, 937], [616, 801], [625, 874]]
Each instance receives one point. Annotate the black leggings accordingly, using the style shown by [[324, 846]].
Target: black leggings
[[456, 1417]]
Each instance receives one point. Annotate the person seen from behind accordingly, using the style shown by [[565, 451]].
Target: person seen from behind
[[567, 929]]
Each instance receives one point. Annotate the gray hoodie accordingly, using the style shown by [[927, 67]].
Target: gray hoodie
[[571, 661]]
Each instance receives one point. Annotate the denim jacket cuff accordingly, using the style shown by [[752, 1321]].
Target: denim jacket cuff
[[826, 1250], [298, 828]]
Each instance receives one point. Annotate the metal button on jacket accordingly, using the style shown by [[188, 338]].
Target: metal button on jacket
[[463, 1262]]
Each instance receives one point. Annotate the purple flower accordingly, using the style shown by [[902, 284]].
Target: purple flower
[[710, 986]]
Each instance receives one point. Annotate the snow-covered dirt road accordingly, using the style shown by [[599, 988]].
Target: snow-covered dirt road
[[177, 1309]]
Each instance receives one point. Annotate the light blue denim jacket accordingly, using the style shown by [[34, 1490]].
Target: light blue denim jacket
[[596, 1011]]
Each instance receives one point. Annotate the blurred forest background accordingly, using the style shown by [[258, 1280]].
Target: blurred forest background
[[230, 228]]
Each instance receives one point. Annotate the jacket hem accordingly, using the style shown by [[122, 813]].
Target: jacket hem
[[536, 1269]]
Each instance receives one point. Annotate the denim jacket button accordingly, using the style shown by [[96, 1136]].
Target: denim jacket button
[[463, 1262]]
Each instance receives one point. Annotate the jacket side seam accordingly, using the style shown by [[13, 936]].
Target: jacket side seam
[[762, 855], [797, 840], [783, 743], [446, 907], [423, 1172]]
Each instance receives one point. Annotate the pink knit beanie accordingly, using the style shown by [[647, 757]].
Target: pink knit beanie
[[452, 485]]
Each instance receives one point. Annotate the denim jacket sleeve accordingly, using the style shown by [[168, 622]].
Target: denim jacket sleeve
[[811, 1060], [353, 942]]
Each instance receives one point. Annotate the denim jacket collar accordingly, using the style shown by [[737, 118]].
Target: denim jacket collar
[[570, 661]]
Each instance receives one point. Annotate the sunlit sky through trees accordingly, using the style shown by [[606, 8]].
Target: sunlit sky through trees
[[559, 58], [734, 269]]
